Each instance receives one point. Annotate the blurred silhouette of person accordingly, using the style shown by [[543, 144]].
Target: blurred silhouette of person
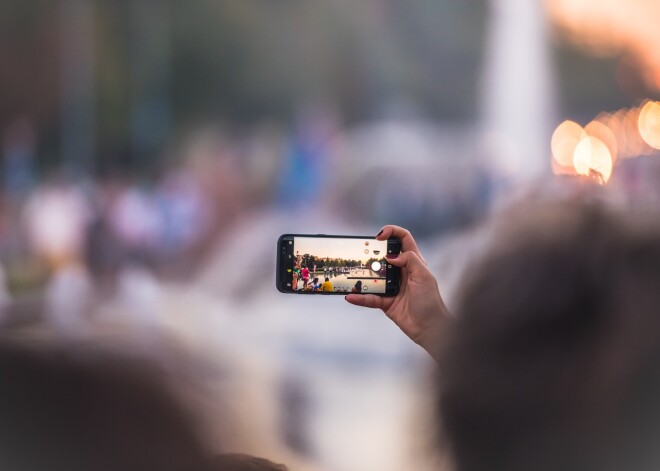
[[69, 297], [305, 276], [240, 462], [305, 172], [296, 276], [315, 284], [137, 222], [56, 219], [357, 288], [553, 359], [70, 408], [19, 147]]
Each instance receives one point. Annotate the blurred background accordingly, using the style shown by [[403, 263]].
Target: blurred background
[[152, 151]]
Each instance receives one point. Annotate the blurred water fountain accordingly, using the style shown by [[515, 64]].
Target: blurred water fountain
[[518, 89]]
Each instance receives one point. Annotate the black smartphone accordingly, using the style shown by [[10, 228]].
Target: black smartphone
[[334, 264]]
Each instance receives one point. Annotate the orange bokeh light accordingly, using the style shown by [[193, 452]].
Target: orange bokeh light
[[649, 123], [592, 158], [635, 145], [614, 121], [564, 141], [603, 132]]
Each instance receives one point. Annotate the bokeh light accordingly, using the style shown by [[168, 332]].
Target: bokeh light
[[635, 144], [649, 123], [614, 121], [592, 158], [564, 141], [603, 132]]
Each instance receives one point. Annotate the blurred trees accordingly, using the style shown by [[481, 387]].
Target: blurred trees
[[245, 61]]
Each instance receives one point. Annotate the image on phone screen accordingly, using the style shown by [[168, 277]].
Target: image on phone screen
[[336, 265]]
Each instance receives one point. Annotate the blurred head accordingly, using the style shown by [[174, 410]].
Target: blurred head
[[239, 462], [327, 279], [553, 362], [84, 410]]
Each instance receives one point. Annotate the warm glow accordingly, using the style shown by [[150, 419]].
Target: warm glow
[[594, 149], [603, 132], [614, 121], [592, 158], [649, 124], [611, 27], [635, 145], [564, 141]]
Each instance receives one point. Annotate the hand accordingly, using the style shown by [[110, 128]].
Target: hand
[[418, 308]]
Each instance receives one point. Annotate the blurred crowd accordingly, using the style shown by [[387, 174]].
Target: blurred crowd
[[168, 217], [162, 221]]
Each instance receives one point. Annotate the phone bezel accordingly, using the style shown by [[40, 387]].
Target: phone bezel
[[283, 257]]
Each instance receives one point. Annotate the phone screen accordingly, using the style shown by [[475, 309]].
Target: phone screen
[[336, 265]]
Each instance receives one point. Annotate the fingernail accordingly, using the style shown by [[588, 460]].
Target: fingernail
[[379, 233], [346, 298], [392, 255]]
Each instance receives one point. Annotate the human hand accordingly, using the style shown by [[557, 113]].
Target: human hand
[[418, 309]]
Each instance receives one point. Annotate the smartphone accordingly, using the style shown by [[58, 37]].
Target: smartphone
[[334, 264]]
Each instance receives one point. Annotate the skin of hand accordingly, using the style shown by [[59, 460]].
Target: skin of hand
[[418, 309]]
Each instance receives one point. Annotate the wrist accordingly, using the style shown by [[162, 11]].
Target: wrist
[[432, 337]]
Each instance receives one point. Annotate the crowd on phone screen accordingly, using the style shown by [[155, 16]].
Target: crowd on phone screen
[[303, 275]]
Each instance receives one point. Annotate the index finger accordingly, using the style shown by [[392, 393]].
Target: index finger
[[408, 243]]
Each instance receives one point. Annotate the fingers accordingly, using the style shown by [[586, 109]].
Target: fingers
[[408, 243], [366, 300]]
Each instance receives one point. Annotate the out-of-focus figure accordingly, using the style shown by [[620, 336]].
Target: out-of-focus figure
[[187, 213], [19, 147], [240, 462], [136, 220], [309, 162], [69, 298], [56, 219], [139, 295], [552, 361], [77, 409]]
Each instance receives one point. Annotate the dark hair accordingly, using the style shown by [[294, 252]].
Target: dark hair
[[358, 285], [327, 279], [553, 361], [240, 462], [82, 410]]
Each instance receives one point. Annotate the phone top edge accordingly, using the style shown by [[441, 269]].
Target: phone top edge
[[332, 236]]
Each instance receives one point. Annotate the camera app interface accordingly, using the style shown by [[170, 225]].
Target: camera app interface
[[339, 265]]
